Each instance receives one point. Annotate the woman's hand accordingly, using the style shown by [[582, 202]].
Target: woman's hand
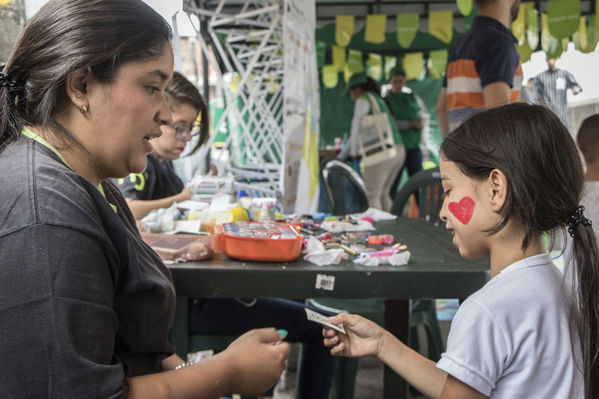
[[258, 358], [363, 338]]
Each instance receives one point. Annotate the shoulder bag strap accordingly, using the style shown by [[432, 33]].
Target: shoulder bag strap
[[376, 112]]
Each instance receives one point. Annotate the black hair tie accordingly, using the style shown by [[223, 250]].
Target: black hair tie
[[577, 218], [7, 81]]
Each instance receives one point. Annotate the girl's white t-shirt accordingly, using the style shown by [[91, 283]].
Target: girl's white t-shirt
[[511, 339]]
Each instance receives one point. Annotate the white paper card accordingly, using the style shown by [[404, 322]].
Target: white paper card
[[325, 282], [322, 319]]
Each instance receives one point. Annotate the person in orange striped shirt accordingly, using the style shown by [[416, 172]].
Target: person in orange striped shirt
[[483, 68]]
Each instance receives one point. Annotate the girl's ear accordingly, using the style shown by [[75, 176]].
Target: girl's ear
[[76, 87], [497, 189]]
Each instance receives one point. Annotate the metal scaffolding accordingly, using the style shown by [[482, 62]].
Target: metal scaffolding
[[245, 51]]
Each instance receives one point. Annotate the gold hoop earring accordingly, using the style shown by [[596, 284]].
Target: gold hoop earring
[[83, 109]]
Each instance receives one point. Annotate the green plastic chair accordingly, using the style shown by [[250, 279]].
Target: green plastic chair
[[340, 179], [427, 183]]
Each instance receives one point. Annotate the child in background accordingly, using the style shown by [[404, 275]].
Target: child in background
[[526, 333], [159, 186]]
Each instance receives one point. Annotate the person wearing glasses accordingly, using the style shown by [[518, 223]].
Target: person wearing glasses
[[159, 186]]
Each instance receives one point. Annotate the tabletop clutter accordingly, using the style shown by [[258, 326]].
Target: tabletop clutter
[[220, 218]]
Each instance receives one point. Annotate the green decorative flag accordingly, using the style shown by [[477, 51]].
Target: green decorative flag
[[375, 28], [593, 39], [321, 50], [347, 73], [563, 17], [519, 24], [545, 35], [468, 19], [437, 62], [555, 48], [330, 77], [440, 25], [375, 67], [354, 61], [407, 27], [524, 51], [344, 29], [532, 30], [390, 63], [581, 36], [339, 58], [465, 6], [413, 64]]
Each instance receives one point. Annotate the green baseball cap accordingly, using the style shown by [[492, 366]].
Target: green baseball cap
[[397, 70], [357, 79]]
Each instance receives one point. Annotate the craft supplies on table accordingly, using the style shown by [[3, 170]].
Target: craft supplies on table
[[259, 241]]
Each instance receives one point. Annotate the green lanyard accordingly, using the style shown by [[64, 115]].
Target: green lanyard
[[29, 133]]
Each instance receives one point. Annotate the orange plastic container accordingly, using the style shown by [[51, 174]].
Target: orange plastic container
[[265, 249]]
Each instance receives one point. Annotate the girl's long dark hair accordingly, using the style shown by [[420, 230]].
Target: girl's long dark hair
[[69, 35], [545, 179], [181, 91]]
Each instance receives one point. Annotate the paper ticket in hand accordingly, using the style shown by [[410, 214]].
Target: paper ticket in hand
[[322, 319]]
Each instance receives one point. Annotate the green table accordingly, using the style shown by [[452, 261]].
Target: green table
[[435, 270]]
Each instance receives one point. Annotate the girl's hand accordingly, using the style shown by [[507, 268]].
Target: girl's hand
[[258, 359], [363, 338]]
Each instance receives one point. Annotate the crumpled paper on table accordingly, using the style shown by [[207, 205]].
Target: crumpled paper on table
[[340, 226], [376, 214], [399, 259], [161, 220], [317, 254]]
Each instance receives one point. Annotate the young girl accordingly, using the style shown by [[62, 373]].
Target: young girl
[[85, 305], [159, 186], [509, 174]]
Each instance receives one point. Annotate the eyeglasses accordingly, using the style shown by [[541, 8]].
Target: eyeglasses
[[183, 130]]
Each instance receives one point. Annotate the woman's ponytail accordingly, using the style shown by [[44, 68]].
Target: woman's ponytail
[[11, 92]]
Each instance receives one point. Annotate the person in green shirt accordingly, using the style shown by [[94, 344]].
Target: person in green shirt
[[408, 121]]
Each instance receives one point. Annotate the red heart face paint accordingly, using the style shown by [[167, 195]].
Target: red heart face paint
[[462, 210]]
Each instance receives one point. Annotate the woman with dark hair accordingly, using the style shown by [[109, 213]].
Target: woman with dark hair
[[159, 186], [377, 178], [509, 174], [85, 305]]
